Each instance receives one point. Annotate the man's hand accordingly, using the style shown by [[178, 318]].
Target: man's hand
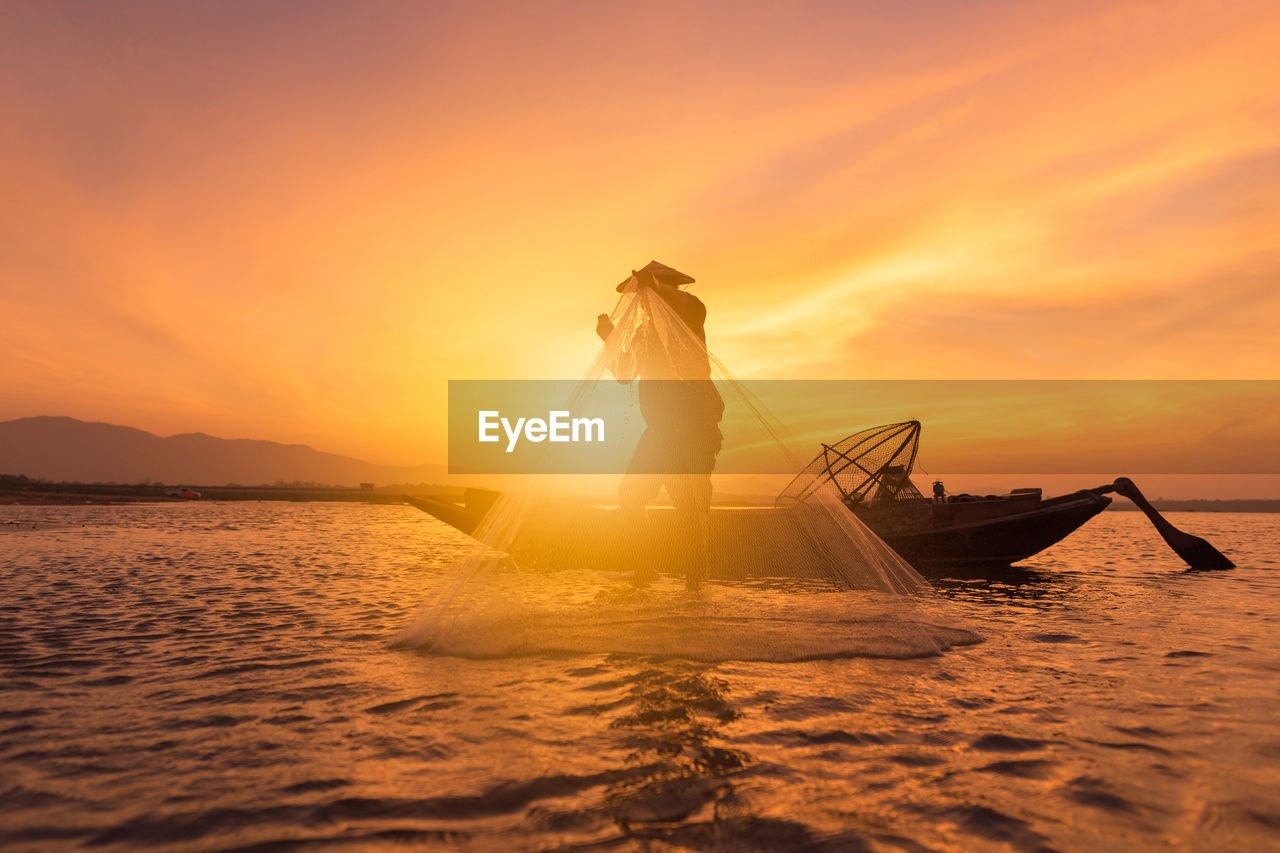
[[604, 327]]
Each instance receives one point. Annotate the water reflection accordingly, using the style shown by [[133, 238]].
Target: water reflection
[[680, 787], [671, 722], [1023, 585]]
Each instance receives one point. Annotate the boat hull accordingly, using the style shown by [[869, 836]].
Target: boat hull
[[557, 535], [759, 540], [999, 541]]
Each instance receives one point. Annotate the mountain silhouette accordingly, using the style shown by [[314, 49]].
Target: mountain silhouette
[[67, 449]]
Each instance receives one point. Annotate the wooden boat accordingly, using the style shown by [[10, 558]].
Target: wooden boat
[[870, 472]]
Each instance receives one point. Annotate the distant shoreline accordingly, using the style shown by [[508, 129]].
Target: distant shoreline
[[64, 494], [70, 494], [1239, 505]]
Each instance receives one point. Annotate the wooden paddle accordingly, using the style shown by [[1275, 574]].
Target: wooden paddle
[[1196, 552]]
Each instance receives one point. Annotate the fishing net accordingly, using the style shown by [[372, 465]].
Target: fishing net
[[546, 571], [869, 469]]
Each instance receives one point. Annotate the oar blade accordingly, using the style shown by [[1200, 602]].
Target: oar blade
[[1201, 556]]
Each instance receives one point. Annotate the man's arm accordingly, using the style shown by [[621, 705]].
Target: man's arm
[[623, 363]]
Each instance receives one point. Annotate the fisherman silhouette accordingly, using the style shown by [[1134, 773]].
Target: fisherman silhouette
[[681, 409]]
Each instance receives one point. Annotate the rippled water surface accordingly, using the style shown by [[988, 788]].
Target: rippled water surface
[[218, 676]]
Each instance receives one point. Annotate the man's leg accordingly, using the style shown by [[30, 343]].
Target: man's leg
[[643, 480], [634, 493], [694, 501], [691, 495], [637, 488]]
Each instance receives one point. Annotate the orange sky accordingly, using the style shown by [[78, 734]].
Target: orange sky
[[297, 221]]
